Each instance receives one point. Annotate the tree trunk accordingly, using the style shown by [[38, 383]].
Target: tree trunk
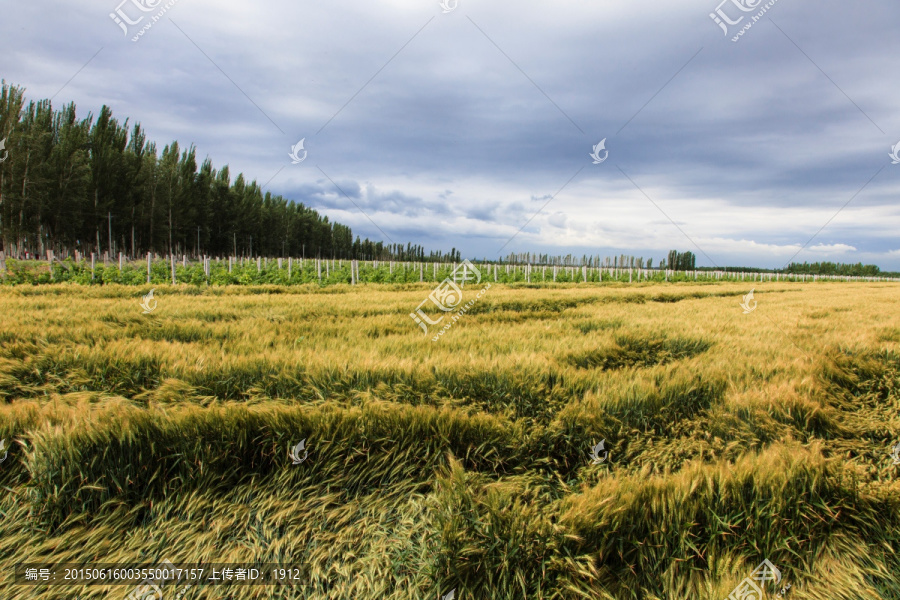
[[97, 223], [22, 204], [152, 214]]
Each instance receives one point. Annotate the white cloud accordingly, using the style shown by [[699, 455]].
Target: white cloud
[[832, 248]]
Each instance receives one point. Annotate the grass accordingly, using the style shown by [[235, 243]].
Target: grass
[[635, 351], [462, 463]]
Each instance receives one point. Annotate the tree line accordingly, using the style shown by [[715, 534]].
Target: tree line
[[99, 185], [830, 268]]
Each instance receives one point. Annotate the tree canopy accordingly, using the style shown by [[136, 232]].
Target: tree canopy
[[97, 184]]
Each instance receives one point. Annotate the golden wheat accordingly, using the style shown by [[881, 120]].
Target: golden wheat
[[461, 463]]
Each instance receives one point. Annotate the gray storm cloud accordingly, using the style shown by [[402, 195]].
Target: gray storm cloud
[[454, 129]]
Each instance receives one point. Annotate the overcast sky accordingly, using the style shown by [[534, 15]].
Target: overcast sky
[[473, 127]]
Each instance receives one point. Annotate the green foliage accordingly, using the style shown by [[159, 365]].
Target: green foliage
[[830, 268], [69, 184], [680, 261]]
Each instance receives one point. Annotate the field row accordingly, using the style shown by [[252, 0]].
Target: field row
[[462, 464], [290, 271]]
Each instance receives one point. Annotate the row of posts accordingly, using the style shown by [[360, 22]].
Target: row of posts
[[613, 273]]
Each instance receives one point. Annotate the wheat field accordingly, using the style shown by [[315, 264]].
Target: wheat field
[[463, 463]]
